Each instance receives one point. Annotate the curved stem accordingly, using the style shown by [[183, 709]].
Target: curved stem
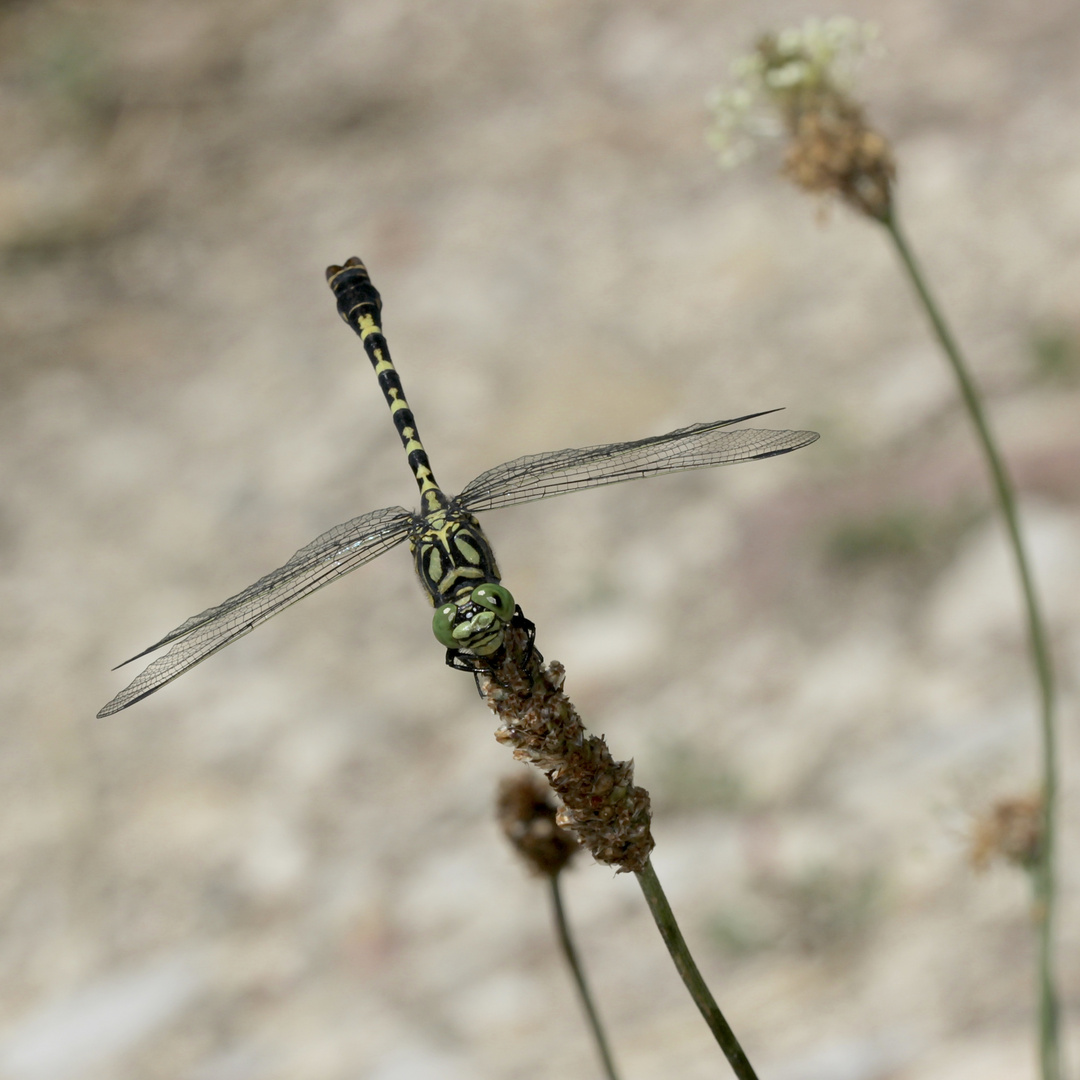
[[684, 963], [1043, 875], [570, 952]]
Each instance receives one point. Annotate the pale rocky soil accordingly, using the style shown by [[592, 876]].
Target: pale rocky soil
[[284, 866]]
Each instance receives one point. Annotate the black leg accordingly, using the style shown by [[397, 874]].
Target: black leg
[[479, 665], [522, 623]]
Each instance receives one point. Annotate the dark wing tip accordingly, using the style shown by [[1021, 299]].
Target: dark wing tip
[[806, 438], [120, 703], [137, 656], [752, 416]]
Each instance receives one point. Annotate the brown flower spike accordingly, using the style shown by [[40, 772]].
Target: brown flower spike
[[798, 76], [832, 148], [1010, 830], [527, 817], [608, 813]]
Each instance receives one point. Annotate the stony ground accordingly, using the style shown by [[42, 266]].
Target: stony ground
[[285, 865]]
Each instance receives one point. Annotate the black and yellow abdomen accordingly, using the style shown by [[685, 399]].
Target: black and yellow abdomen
[[454, 560]]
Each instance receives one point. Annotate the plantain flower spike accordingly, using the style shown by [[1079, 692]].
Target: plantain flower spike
[[603, 807], [796, 84], [1010, 831]]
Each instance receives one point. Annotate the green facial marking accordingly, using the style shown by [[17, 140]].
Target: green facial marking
[[480, 622], [495, 598], [489, 645]]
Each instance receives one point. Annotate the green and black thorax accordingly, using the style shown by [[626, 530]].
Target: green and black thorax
[[454, 560]]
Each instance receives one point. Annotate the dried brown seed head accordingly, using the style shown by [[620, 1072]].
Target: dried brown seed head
[[800, 76], [833, 150], [601, 804], [1011, 830], [527, 815]]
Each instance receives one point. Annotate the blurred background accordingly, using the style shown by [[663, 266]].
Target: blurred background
[[285, 865]]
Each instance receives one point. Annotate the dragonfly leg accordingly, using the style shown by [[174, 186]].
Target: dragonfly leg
[[486, 665], [475, 665], [522, 623]]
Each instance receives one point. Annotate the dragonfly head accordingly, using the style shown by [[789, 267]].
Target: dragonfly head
[[477, 622]]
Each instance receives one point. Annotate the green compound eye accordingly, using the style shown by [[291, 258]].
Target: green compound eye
[[443, 625], [495, 598]]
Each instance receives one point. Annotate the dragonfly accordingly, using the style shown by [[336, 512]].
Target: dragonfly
[[453, 558]]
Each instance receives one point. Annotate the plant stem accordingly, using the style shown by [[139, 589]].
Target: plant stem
[[570, 952], [1043, 876], [684, 963]]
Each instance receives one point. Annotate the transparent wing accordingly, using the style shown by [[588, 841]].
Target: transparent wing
[[326, 558], [700, 446]]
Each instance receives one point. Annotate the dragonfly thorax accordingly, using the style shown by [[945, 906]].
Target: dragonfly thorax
[[452, 555], [457, 567]]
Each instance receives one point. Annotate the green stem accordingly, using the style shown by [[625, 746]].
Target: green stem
[[684, 963], [1043, 876], [570, 952]]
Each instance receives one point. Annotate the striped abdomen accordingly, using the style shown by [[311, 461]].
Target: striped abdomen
[[360, 306], [454, 561]]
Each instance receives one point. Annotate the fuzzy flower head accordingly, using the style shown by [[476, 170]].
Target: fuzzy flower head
[[1011, 830], [527, 817], [797, 84]]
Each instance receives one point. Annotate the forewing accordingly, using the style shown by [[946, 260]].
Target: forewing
[[700, 446], [326, 558]]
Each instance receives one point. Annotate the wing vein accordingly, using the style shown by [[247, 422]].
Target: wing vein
[[558, 472], [331, 555]]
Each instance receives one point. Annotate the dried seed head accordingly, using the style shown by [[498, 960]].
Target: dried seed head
[[1011, 830], [607, 812], [527, 816], [800, 78], [833, 150]]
